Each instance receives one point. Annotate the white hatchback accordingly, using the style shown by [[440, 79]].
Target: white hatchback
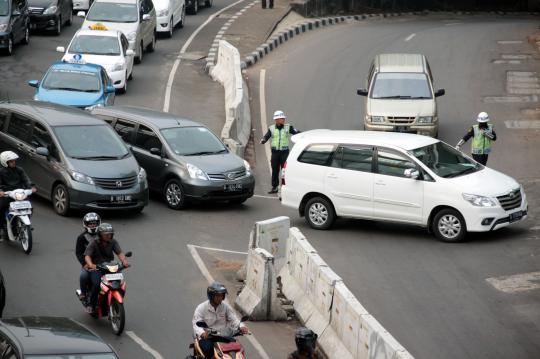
[[108, 48], [397, 177], [170, 14]]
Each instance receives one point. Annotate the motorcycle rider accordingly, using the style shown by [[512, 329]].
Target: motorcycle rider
[[217, 314], [306, 342], [11, 177], [91, 221], [101, 251]]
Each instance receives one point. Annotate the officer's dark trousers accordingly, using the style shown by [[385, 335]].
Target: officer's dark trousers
[[278, 160], [482, 159]]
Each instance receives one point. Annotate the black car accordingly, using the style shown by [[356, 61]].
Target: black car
[[50, 337], [14, 24], [50, 14], [183, 160], [2, 294]]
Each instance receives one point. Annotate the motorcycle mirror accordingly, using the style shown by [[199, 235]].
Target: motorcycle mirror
[[201, 324], [129, 254], [245, 318]]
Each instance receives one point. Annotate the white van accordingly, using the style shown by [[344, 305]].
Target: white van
[[397, 177], [400, 96]]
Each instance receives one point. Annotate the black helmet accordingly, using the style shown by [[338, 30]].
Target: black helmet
[[91, 218], [305, 339], [105, 228], [215, 288]]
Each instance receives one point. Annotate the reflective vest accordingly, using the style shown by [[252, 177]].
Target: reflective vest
[[280, 138], [481, 145]]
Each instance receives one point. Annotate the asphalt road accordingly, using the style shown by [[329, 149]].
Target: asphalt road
[[432, 297]]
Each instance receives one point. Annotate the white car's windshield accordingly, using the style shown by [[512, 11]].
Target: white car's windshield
[[4, 8], [112, 12], [71, 80], [191, 141], [445, 161], [389, 85], [95, 45], [91, 142]]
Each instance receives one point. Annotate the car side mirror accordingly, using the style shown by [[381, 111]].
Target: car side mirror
[[439, 92], [42, 151], [33, 83], [146, 17], [130, 52], [61, 49], [361, 92], [110, 89], [15, 12], [411, 173], [129, 254], [155, 151], [201, 324], [81, 14]]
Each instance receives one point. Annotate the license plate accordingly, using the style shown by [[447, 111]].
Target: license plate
[[401, 128], [20, 205], [516, 216], [114, 276], [232, 187], [121, 198]]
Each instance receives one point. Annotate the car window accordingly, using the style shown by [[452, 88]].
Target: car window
[[392, 163], [444, 160], [146, 6], [390, 85], [105, 77], [125, 130], [112, 12], [95, 45], [3, 117], [354, 158], [71, 80], [319, 154], [19, 127], [91, 142], [125, 43], [7, 351], [147, 139], [4, 7], [18, 4], [42, 138], [106, 118]]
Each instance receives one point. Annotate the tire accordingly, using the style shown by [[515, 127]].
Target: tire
[[25, 236], [194, 9], [182, 18], [58, 29], [130, 77], [8, 51], [26, 38], [117, 315], [152, 45], [208, 3], [174, 195], [449, 226], [319, 213], [138, 59], [60, 199], [123, 90], [171, 27]]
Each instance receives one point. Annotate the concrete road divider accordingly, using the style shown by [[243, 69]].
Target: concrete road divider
[[272, 235]]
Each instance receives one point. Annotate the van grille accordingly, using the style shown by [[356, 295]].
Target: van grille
[[401, 120], [511, 200], [36, 10], [227, 175], [116, 183]]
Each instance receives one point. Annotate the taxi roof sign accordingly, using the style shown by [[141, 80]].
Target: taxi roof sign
[[97, 26], [77, 59]]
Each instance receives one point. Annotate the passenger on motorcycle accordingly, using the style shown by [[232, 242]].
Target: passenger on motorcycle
[[91, 221], [101, 251], [11, 177], [217, 314], [306, 345]]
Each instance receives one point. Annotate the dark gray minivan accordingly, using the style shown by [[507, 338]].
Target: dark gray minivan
[[184, 160], [76, 160]]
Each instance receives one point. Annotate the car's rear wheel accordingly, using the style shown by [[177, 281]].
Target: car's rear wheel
[[171, 28], [26, 38], [449, 226], [124, 88], [183, 18], [58, 29], [319, 213], [152, 45], [174, 195], [60, 199], [9, 49], [138, 59]]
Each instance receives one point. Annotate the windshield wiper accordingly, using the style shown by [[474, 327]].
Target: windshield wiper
[[64, 89], [468, 170], [200, 153], [397, 96], [420, 97], [98, 158]]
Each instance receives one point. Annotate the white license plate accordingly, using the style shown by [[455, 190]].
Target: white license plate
[[121, 198], [232, 187], [114, 276], [401, 128], [20, 205]]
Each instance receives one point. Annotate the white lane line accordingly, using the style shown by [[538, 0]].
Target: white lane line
[[216, 249], [535, 228], [410, 37], [261, 196], [453, 23], [170, 81], [516, 283], [210, 279], [264, 123], [143, 345]]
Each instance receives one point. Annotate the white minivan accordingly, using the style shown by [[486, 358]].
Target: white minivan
[[397, 177]]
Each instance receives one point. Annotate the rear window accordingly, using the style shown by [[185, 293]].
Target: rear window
[[319, 154]]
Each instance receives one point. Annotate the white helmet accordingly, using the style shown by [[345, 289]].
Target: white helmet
[[279, 114], [7, 156], [482, 117]]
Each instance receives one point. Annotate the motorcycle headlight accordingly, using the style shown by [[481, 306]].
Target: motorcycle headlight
[[79, 177], [113, 269], [377, 119], [196, 172], [117, 67], [425, 119], [3, 27], [20, 196], [142, 175], [248, 168], [164, 12], [479, 201], [50, 10], [132, 36]]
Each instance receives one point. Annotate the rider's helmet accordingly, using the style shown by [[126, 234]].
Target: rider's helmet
[[7, 156], [305, 339], [89, 219], [215, 288], [483, 117], [105, 228]]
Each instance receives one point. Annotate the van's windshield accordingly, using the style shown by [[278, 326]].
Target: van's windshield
[[445, 161], [390, 85], [113, 12], [91, 142]]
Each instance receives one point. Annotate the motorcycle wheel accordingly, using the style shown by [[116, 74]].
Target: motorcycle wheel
[[117, 316], [25, 236]]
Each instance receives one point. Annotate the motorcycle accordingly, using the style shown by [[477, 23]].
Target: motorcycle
[[111, 295], [225, 346], [17, 217]]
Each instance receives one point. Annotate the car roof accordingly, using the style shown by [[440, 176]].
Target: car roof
[[112, 33], [148, 116], [400, 62], [405, 141], [53, 114], [53, 335], [79, 67]]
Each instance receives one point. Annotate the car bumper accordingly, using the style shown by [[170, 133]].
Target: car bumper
[[43, 21], [485, 219], [81, 4], [4, 37], [163, 23], [417, 129], [84, 196], [118, 78], [200, 190]]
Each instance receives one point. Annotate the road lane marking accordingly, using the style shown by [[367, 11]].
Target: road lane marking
[[264, 122], [217, 249], [535, 228], [170, 80], [410, 37], [453, 23], [509, 42], [510, 99], [516, 283], [143, 345], [202, 267]]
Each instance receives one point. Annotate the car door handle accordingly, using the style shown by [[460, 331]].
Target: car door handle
[[380, 183], [331, 175]]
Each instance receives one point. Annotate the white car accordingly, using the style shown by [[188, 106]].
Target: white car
[[108, 48], [397, 177], [170, 14]]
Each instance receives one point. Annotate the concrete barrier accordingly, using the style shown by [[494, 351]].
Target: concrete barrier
[[272, 235], [237, 128]]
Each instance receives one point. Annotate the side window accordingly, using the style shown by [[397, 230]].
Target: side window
[[7, 351], [125, 130], [42, 138], [108, 119], [429, 71], [19, 127], [370, 74], [125, 43], [354, 158], [147, 139], [317, 155], [105, 77], [392, 163], [149, 6], [3, 119]]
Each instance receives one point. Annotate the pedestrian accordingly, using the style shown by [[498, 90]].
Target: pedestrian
[[280, 134], [271, 3], [483, 135]]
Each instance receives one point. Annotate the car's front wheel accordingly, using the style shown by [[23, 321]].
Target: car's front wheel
[[26, 38], [60, 199], [449, 226], [174, 195], [152, 46], [319, 213]]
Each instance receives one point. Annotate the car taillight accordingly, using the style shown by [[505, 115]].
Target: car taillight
[[283, 173]]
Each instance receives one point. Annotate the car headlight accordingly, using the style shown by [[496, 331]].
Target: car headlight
[[479, 201], [90, 108], [425, 119], [132, 36], [79, 177], [196, 172], [164, 12], [142, 175], [377, 119], [3, 27], [248, 168], [117, 67], [50, 10]]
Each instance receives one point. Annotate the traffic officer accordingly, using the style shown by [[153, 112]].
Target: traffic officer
[[280, 134], [482, 134]]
